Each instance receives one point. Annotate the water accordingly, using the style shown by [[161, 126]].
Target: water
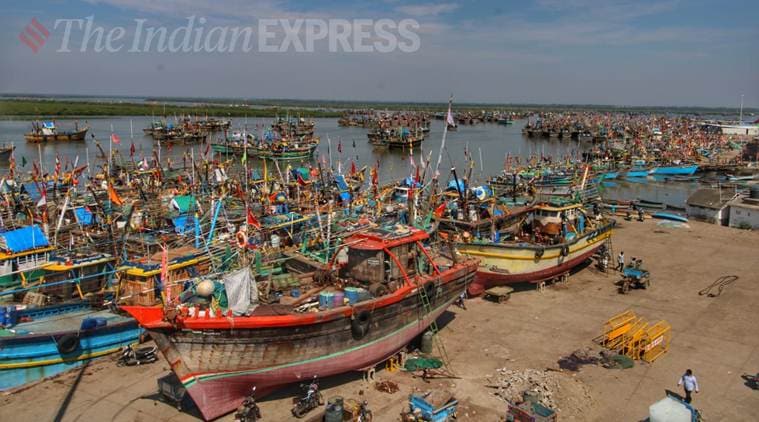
[[487, 144]]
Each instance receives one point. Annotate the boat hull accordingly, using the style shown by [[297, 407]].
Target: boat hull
[[682, 170], [26, 358], [502, 264], [218, 367]]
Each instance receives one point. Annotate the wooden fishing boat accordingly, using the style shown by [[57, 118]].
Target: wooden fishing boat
[[650, 204], [49, 340], [218, 356], [46, 131], [399, 137], [675, 170], [24, 252], [284, 151], [6, 151], [669, 216], [524, 259]]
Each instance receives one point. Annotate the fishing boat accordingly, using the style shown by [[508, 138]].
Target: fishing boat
[[393, 289], [6, 151], [397, 137], [41, 342], [669, 216], [675, 170], [24, 252], [555, 239], [283, 150], [46, 131], [650, 204]]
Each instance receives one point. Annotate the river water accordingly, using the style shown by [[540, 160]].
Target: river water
[[487, 144]]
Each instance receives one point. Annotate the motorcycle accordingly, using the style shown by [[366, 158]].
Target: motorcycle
[[248, 410], [311, 400], [131, 356], [364, 414]]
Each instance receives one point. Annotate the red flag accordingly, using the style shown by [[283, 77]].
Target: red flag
[[131, 150], [353, 167], [440, 210], [252, 220], [375, 177], [300, 180], [339, 146], [115, 139]]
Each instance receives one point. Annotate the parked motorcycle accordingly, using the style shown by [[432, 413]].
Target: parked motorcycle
[[364, 414], [311, 400], [248, 410], [143, 355]]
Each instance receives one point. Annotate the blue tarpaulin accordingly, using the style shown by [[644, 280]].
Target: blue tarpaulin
[[32, 191], [182, 224], [23, 239], [83, 216], [452, 185]]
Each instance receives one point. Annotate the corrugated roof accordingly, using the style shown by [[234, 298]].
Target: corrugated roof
[[23, 239]]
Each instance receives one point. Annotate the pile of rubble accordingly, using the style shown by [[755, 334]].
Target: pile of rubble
[[549, 388], [512, 384]]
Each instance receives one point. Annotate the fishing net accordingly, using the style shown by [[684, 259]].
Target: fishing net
[[416, 364]]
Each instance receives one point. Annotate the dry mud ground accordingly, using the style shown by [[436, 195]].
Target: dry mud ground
[[718, 337]]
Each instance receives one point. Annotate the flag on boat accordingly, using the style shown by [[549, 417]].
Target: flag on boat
[[252, 220], [43, 197], [115, 139], [113, 196], [440, 210]]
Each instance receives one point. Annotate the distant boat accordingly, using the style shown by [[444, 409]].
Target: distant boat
[[669, 216], [46, 131], [650, 204], [675, 170], [637, 173], [6, 150]]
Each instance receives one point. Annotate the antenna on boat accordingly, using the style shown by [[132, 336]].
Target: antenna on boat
[[740, 118]]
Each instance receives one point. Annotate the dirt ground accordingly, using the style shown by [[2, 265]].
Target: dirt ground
[[717, 337]]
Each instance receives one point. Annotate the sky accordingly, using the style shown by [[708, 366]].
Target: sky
[[621, 52]]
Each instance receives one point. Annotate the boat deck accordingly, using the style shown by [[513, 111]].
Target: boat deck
[[69, 321]]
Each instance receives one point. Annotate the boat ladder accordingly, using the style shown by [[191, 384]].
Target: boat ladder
[[427, 307]]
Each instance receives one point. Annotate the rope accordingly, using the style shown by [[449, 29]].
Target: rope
[[720, 284]]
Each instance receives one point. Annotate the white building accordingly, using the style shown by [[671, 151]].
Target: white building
[[744, 210]]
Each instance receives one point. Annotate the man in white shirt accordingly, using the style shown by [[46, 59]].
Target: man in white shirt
[[689, 383]]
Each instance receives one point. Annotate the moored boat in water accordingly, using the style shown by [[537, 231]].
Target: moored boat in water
[[47, 132]]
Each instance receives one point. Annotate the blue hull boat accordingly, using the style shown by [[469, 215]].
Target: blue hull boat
[[637, 173], [55, 339], [669, 216], [678, 170]]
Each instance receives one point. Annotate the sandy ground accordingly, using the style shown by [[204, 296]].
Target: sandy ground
[[717, 337]]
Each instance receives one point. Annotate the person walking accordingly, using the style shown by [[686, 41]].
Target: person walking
[[621, 261], [689, 383]]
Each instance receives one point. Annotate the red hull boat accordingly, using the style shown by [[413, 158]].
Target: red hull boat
[[218, 358]]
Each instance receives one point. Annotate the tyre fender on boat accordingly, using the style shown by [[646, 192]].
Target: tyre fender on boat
[[360, 324], [539, 253], [68, 343], [242, 239], [564, 250]]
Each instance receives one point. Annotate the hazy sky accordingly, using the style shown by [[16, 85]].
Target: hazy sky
[[668, 52]]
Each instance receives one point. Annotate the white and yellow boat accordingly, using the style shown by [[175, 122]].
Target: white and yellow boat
[[554, 240]]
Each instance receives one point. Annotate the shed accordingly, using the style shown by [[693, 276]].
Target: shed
[[744, 210], [709, 205]]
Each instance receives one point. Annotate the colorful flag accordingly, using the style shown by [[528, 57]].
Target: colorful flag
[[43, 197], [115, 139], [131, 150], [113, 196], [252, 220], [440, 210]]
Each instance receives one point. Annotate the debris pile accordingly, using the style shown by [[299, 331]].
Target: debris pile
[[549, 388], [387, 387]]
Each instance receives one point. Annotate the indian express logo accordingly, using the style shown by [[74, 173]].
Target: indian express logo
[[268, 36]]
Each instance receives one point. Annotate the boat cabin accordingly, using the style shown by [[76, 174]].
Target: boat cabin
[[140, 280], [383, 260], [23, 253], [549, 218]]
